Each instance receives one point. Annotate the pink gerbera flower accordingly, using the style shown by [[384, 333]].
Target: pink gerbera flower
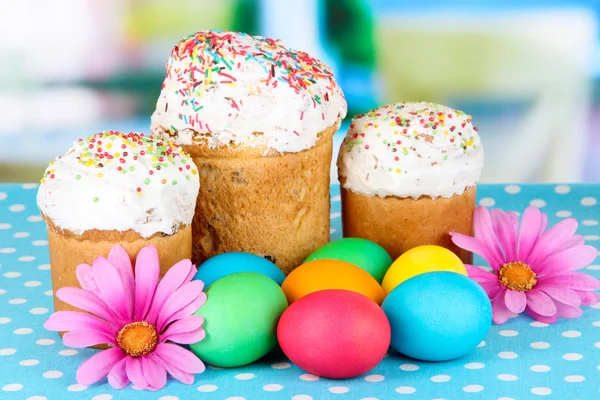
[[137, 316], [532, 268]]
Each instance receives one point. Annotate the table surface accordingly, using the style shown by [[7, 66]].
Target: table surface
[[521, 359]]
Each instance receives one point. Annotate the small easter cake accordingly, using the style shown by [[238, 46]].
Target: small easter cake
[[408, 173], [114, 188], [258, 119]]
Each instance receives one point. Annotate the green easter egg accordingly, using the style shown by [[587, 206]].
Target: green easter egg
[[363, 253], [240, 319]]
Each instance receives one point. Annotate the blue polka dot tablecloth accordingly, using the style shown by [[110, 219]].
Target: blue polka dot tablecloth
[[521, 359]]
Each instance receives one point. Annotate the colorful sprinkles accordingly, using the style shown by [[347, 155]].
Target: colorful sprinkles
[[99, 152]]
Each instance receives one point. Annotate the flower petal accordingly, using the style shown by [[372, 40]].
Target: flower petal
[[476, 246], [186, 337], [540, 303], [587, 298], [119, 258], [574, 280], [173, 280], [135, 373], [86, 301], [98, 366], [551, 240], [111, 288], [175, 372], [573, 241], [542, 318], [491, 288], [74, 320], [568, 260], [86, 338], [500, 313], [147, 269], [187, 324], [86, 279], [154, 372], [484, 231], [515, 301], [177, 306], [117, 377], [479, 274], [565, 311], [185, 360], [562, 294], [531, 224], [503, 229]]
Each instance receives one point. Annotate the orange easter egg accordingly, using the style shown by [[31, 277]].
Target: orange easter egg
[[330, 274]]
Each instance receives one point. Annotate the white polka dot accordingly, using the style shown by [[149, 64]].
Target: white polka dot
[[38, 311], [574, 378], [540, 345], [76, 387], [440, 378], [597, 305], [540, 368], [409, 367], [541, 391], [339, 389], [48, 292], [336, 198], [12, 274], [512, 189], [508, 333], [40, 243], [37, 398], [572, 357], [481, 344], [474, 365], [374, 378], [32, 284], [45, 342], [272, 387], [168, 398], [505, 398], [28, 186], [487, 202], [594, 267], [596, 323], [4, 320], [591, 237], [364, 398], [3, 196], [2, 291], [563, 214], [68, 352], [12, 387], [244, 377], [35, 218], [26, 258], [507, 377], [16, 208], [590, 222], [103, 396], [52, 374], [235, 398], [537, 324], [302, 397], [20, 235], [29, 363], [588, 201], [335, 215], [538, 203], [571, 334], [473, 388], [17, 301], [332, 231], [207, 388], [562, 189], [7, 250], [44, 267], [309, 377], [7, 352], [507, 355], [281, 365], [406, 390], [597, 345], [5, 227], [23, 331]]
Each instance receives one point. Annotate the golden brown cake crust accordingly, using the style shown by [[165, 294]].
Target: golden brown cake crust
[[273, 205], [399, 224]]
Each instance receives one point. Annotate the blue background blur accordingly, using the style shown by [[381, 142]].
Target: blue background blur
[[527, 70]]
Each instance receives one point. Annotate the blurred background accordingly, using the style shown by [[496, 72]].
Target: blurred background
[[527, 70]]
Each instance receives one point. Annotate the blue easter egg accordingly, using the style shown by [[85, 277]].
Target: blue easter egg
[[225, 264], [438, 316]]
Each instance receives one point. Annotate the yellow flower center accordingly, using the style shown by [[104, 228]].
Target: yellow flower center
[[517, 276], [137, 338]]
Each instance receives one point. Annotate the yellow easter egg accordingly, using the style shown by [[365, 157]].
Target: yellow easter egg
[[330, 274], [420, 260]]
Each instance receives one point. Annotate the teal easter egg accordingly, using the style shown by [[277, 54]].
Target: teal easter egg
[[438, 316], [225, 264], [240, 319], [363, 253]]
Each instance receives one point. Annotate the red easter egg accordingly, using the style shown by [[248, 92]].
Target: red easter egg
[[334, 333]]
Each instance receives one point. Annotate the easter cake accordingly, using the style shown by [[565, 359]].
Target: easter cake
[[408, 175], [258, 120]]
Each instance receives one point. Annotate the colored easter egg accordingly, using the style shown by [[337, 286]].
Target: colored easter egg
[[419, 260], [334, 333], [363, 253], [240, 319], [225, 264], [438, 316], [330, 274]]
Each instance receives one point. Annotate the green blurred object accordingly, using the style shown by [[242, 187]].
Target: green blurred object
[[363, 253], [240, 319]]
